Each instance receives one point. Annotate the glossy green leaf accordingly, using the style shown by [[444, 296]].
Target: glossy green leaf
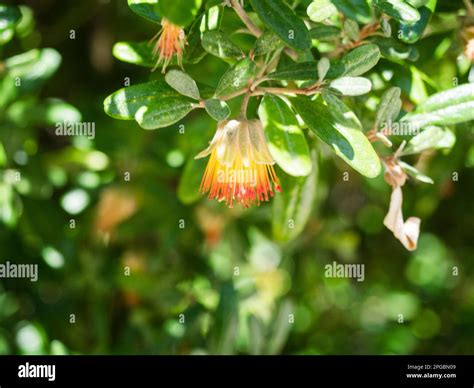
[[358, 10], [292, 207], [356, 62], [282, 20], [194, 51], [10, 15], [417, 3], [389, 108], [324, 32], [393, 49], [286, 140], [146, 8], [217, 43], [320, 10], [168, 112], [410, 33], [138, 53], [430, 138], [398, 9], [183, 84], [217, 109], [179, 12], [446, 108], [33, 67], [352, 86], [236, 78], [341, 112], [153, 104], [305, 71], [211, 19], [415, 173], [188, 187], [348, 143], [266, 43]]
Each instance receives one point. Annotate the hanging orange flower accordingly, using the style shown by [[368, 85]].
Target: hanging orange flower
[[170, 43], [240, 167]]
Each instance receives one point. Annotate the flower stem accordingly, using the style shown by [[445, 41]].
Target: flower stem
[[245, 104]]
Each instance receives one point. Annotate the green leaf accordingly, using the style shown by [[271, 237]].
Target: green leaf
[[10, 15], [410, 33], [10, 205], [6, 36], [292, 207], [167, 113], [280, 18], [348, 143], [33, 68], [430, 138], [320, 10], [393, 49], [415, 173], [146, 8], [179, 12], [138, 53], [286, 140], [153, 104], [341, 113], [281, 328], [217, 109], [446, 108], [398, 9], [305, 71], [218, 44], [236, 78], [3, 156], [188, 188], [256, 335], [356, 62], [194, 51], [266, 43], [323, 67], [417, 3], [183, 84], [48, 112], [352, 86], [323, 32], [226, 322], [211, 19], [358, 10], [389, 108], [351, 29]]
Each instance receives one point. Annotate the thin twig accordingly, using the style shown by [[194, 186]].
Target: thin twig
[[245, 18], [469, 7]]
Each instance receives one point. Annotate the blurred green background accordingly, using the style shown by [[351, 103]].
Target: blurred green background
[[125, 267]]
